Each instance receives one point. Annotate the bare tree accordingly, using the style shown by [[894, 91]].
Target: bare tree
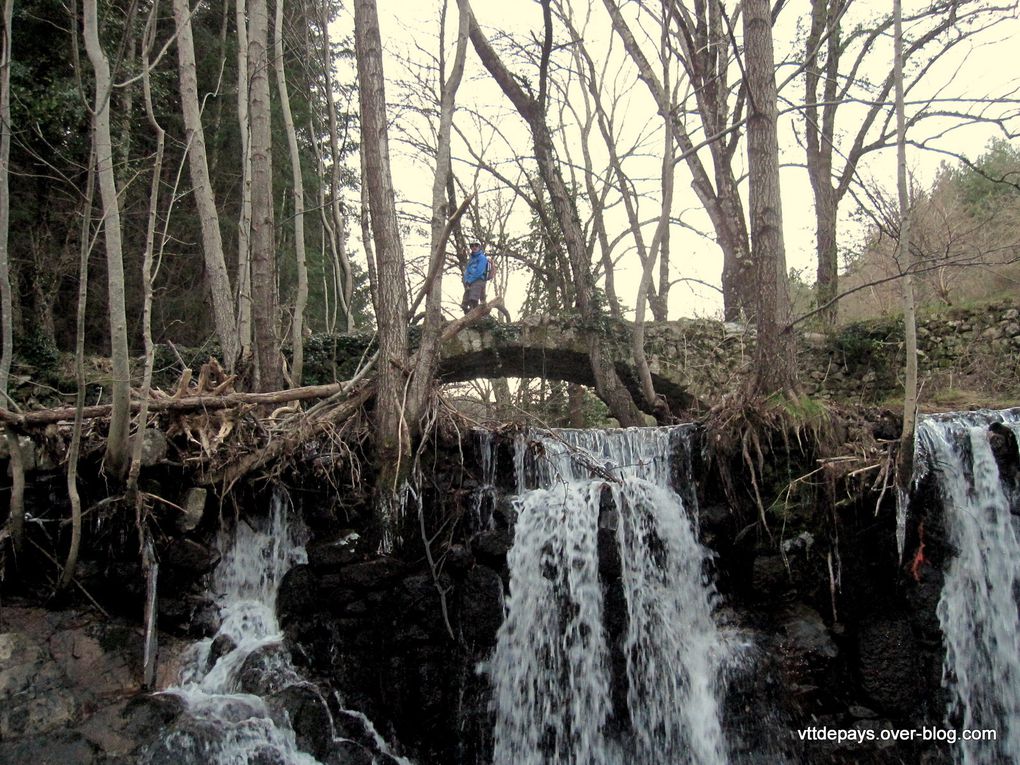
[[334, 219], [702, 45], [775, 359], [117, 441], [297, 339], [5, 200], [532, 110], [17, 509], [432, 288], [217, 278], [835, 83], [905, 459], [243, 300], [265, 300], [392, 432]]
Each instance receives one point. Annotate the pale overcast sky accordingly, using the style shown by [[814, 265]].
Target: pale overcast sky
[[410, 32]]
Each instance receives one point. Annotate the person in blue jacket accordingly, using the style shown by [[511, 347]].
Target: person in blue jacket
[[475, 274]]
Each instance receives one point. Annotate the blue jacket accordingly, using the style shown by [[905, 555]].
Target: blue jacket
[[477, 265]]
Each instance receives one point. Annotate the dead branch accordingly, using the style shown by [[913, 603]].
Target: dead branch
[[184, 404]]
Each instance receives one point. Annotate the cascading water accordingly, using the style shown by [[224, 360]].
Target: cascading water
[[555, 678], [234, 685], [231, 726], [978, 606]]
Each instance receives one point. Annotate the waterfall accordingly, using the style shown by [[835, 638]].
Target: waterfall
[[234, 685], [569, 686], [978, 606]]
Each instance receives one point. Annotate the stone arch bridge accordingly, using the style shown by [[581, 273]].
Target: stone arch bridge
[[556, 349]]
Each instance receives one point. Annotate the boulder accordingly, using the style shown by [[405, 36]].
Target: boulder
[[154, 447], [481, 606], [194, 508], [306, 711]]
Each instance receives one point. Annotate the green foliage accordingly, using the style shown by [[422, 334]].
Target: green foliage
[[32, 348], [331, 358], [994, 179], [861, 342]]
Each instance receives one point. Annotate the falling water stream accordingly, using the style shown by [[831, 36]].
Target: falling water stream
[[978, 607], [553, 668], [230, 726], [228, 681]]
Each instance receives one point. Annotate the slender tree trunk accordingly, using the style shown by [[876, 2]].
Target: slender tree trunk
[[74, 450], [6, 303], [117, 443], [16, 518], [607, 382], [705, 57], [126, 117], [217, 278], [818, 139], [391, 418], [428, 353], [297, 338], [265, 300], [905, 457], [147, 265], [345, 294], [775, 359], [244, 329]]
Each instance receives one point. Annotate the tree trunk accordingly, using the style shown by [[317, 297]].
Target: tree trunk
[[607, 382], [345, 290], [818, 141], [391, 419], [6, 303], [703, 46], [16, 503], [297, 338], [775, 359], [268, 359], [905, 457], [117, 441], [244, 329], [217, 278], [428, 353]]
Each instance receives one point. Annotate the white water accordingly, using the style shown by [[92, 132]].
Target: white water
[[978, 606], [551, 667], [245, 584]]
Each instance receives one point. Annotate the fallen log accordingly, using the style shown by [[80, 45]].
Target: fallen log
[[183, 404]]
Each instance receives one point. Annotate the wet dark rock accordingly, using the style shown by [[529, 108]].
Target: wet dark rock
[[350, 753], [481, 606], [491, 547], [370, 575], [266, 670], [889, 665], [221, 646], [805, 633], [458, 559], [190, 556], [770, 578], [352, 726], [888, 427], [62, 747], [309, 716], [188, 742], [186, 614], [335, 553], [298, 594], [610, 563], [504, 514], [193, 505]]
